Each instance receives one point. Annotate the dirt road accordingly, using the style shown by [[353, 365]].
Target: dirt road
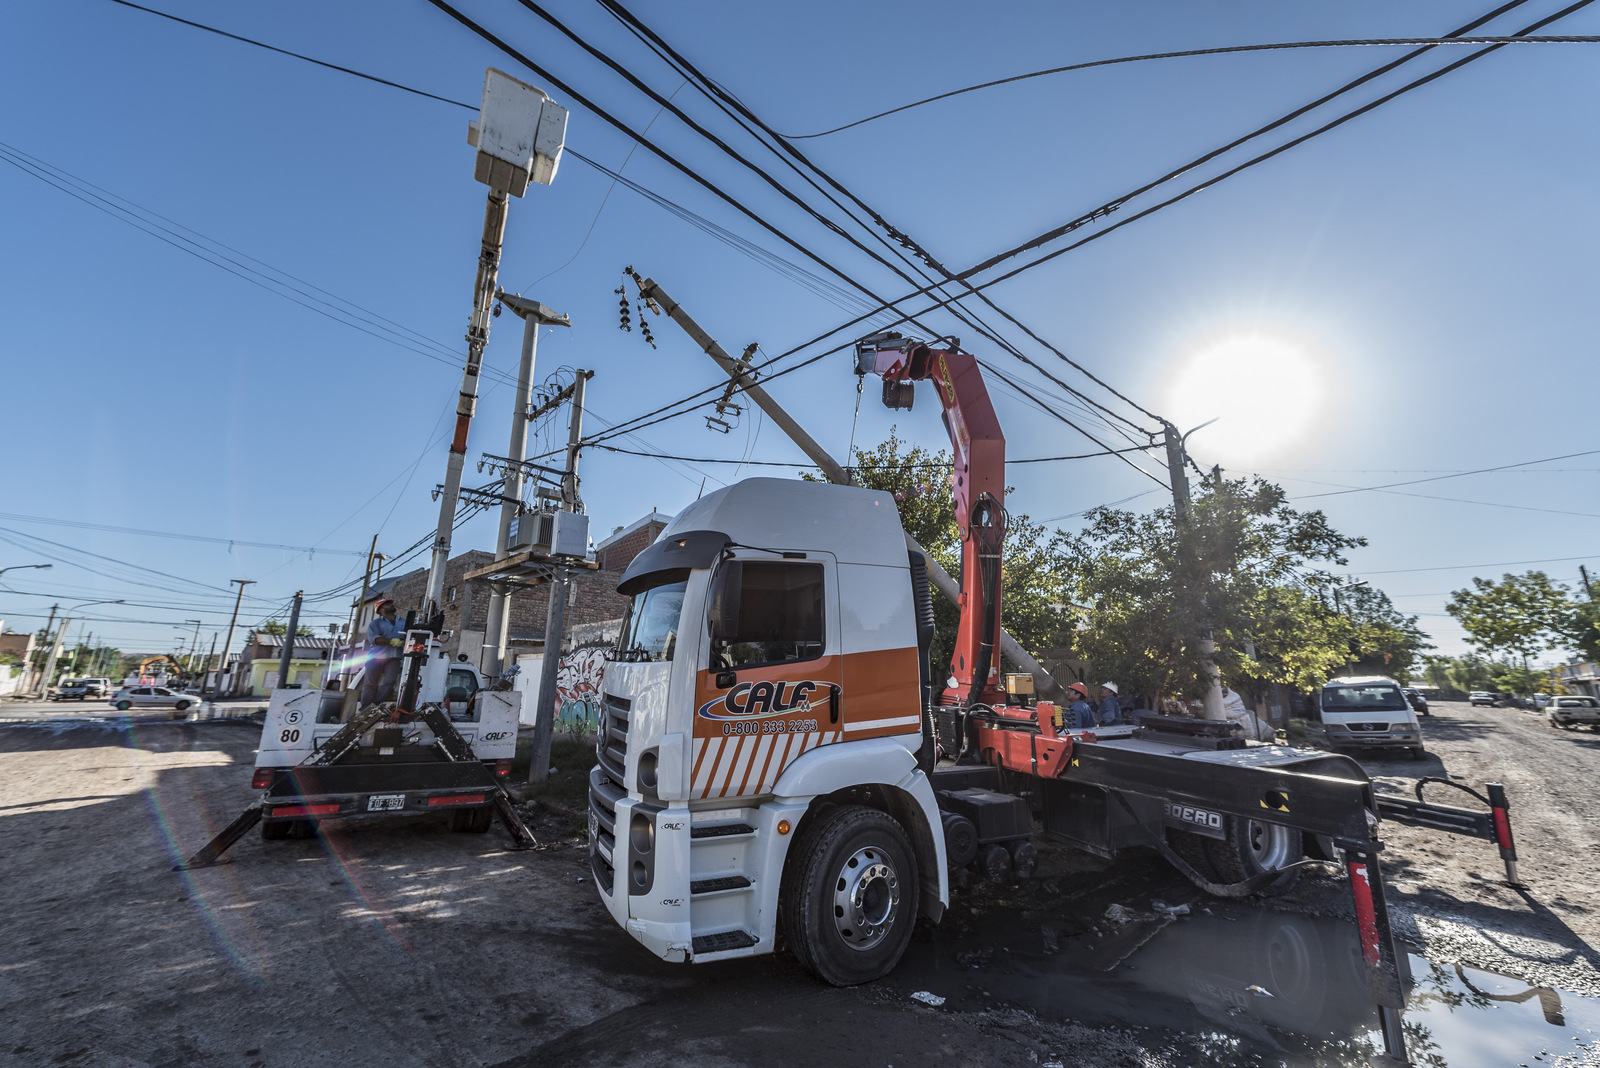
[[408, 945]]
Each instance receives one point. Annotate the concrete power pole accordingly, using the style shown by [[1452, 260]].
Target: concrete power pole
[[1587, 587], [534, 315], [32, 680], [833, 471], [555, 620], [519, 135], [288, 639], [223, 663], [1177, 457]]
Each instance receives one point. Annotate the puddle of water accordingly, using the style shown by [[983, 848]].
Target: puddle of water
[[1248, 985]]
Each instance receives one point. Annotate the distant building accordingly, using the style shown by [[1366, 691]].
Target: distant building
[[1581, 677], [257, 672]]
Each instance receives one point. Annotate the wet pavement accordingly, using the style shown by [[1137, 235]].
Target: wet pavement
[[1229, 983]]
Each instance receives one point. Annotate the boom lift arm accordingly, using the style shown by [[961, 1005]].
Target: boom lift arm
[[978, 480]]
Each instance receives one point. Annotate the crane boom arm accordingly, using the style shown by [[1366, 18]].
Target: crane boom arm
[[978, 482]]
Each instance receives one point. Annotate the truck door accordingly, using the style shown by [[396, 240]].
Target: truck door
[[769, 689]]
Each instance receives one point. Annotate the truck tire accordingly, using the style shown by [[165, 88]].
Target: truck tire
[[1252, 847], [849, 896], [1418, 753], [472, 820], [1191, 849]]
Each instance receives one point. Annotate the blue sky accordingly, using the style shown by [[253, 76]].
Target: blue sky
[[1429, 266]]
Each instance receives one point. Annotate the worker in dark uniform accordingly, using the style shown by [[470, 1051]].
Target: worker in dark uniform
[[387, 639], [1109, 714], [1082, 716]]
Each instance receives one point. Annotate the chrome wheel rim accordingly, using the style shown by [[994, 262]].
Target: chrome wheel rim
[[1271, 845], [866, 898]]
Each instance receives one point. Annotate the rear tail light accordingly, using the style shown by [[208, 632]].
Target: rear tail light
[[304, 810], [502, 768], [456, 799], [263, 778]]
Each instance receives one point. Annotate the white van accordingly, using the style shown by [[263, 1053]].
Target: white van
[[1370, 712]]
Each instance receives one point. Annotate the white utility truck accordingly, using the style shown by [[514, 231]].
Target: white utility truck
[[442, 748]]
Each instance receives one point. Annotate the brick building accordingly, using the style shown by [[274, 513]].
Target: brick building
[[593, 600]]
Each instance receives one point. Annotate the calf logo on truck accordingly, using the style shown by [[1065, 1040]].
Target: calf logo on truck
[[1198, 820], [763, 700]]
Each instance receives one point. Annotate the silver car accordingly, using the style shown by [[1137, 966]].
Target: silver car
[[1566, 711], [150, 697]]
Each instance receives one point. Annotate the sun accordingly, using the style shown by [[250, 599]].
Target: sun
[[1264, 390]]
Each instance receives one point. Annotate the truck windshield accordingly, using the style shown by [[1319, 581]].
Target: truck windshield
[[1363, 699], [651, 630]]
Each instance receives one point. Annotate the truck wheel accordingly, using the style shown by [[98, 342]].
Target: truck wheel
[[472, 820], [275, 830], [1191, 849], [1418, 753], [849, 896], [1252, 847]]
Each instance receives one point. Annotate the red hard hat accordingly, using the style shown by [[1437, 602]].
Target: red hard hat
[[379, 606], [1080, 687]]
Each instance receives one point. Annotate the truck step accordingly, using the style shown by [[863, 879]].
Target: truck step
[[720, 830], [722, 941], [718, 884]]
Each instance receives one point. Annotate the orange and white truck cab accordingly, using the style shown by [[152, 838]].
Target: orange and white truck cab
[[771, 658]]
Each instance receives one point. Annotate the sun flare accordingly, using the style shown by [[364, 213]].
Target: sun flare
[[1264, 391]]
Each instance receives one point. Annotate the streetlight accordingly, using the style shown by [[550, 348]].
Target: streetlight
[[22, 567], [61, 631]]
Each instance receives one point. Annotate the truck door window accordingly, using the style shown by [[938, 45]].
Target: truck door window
[[651, 629], [765, 612]]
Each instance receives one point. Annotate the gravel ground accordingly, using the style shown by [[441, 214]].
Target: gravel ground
[[1449, 894], [403, 944]]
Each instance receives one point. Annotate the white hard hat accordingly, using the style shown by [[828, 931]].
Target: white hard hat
[[1110, 686]]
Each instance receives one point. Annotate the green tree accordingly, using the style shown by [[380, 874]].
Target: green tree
[[1585, 635], [278, 630], [1251, 554], [1382, 641], [1521, 616]]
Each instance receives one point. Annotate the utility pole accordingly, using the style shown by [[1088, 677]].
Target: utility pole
[[555, 620], [32, 681], [288, 639], [206, 664], [1177, 457], [366, 576], [534, 315], [223, 663], [1585, 573], [519, 135], [1044, 684]]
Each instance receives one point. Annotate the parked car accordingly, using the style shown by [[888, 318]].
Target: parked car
[[150, 697], [1419, 703], [1483, 697], [1565, 712], [1369, 712]]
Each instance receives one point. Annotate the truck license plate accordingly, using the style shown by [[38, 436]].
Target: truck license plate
[[386, 802]]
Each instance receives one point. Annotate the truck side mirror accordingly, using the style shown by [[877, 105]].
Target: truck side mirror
[[723, 609]]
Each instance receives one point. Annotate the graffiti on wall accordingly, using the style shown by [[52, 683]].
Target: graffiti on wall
[[578, 689]]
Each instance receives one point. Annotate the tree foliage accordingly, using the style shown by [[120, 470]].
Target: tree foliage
[[1244, 568], [278, 630], [1521, 615]]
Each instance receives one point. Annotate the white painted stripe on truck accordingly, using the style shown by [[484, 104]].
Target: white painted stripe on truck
[[879, 724]]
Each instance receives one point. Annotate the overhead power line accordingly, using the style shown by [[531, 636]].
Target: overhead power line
[[1368, 42], [1470, 567], [1452, 474], [808, 466], [230, 542]]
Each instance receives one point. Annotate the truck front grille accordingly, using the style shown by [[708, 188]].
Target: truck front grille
[[611, 749]]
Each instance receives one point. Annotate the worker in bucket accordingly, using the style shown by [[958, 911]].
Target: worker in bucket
[[388, 640], [1109, 714], [1082, 717]]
